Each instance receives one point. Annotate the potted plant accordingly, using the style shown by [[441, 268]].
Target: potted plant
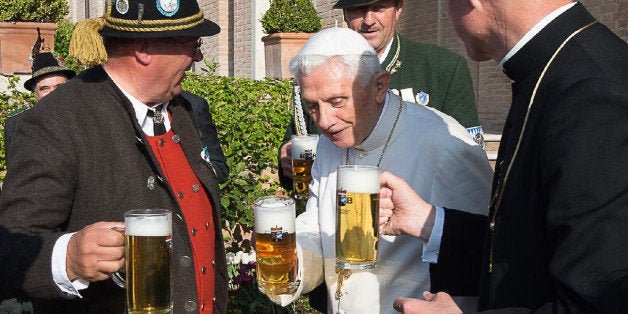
[[289, 24], [20, 21]]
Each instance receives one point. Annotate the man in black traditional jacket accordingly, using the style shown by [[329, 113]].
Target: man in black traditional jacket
[[91, 151], [556, 238]]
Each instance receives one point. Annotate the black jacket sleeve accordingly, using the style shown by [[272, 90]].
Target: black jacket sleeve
[[209, 134], [460, 256]]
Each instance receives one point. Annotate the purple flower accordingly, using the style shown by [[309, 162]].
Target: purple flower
[[247, 279]]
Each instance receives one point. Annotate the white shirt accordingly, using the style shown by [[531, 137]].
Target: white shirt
[[141, 114], [385, 54]]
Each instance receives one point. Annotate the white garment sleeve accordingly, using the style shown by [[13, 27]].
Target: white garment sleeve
[[59, 274], [463, 177], [431, 248]]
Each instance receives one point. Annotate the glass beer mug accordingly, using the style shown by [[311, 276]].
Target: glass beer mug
[[303, 154], [357, 216], [276, 245], [149, 260]]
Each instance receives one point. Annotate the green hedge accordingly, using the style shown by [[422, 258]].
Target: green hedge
[[48, 11]]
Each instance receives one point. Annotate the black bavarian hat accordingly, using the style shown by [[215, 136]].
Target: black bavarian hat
[[44, 64], [343, 4], [155, 19]]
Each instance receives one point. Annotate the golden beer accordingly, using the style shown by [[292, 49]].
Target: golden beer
[[276, 262], [303, 155], [148, 254], [301, 177], [276, 245], [357, 216]]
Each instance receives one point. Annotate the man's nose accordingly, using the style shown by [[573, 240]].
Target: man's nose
[[368, 19], [198, 57], [326, 117]]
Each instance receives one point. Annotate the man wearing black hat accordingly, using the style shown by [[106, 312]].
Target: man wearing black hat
[[420, 73], [48, 74], [117, 137]]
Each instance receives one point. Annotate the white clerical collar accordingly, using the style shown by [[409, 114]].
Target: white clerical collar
[[535, 30], [386, 51], [141, 111]]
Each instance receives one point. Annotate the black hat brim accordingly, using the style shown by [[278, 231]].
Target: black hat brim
[[207, 28], [343, 4], [30, 83]]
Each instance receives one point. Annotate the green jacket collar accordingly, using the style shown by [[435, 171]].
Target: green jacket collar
[[390, 63]]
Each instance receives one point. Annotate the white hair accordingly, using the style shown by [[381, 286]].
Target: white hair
[[360, 67]]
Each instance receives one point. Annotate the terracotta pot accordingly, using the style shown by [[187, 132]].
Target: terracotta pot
[[279, 49], [16, 43]]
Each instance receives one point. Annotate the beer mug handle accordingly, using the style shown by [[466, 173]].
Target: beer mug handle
[[117, 277]]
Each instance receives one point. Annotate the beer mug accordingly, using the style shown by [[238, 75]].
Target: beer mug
[[276, 245], [303, 154], [357, 216], [149, 260]]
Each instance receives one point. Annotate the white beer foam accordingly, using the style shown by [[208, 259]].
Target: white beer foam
[[148, 226], [366, 180], [302, 143], [275, 214]]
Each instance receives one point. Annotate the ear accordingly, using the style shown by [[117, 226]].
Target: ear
[[381, 84], [141, 50], [398, 9], [475, 3]]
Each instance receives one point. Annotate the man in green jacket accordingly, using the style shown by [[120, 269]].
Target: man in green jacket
[[422, 73]]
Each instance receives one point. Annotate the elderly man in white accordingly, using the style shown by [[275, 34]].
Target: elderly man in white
[[346, 93]]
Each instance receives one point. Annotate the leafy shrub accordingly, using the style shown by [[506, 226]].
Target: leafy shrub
[[63, 36], [43, 11], [291, 16], [62, 44]]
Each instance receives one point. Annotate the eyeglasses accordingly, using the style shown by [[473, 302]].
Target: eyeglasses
[[196, 48]]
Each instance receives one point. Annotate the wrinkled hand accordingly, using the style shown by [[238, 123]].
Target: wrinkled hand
[[95, 251], [402, 211], [440, 302], [285, 159]]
